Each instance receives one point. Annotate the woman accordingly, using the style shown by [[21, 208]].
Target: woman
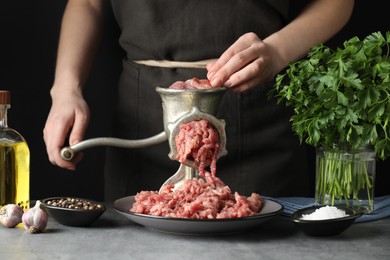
[[244, 43]]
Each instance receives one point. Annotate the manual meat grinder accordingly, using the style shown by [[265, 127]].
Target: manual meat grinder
[[179, 107]]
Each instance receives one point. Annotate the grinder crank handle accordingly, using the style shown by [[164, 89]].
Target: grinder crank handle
[[67, 153]]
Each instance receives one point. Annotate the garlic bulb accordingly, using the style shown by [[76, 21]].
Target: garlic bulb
[[11, 215], [35, 219]]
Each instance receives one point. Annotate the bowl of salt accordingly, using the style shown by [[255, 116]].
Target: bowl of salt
[[325, 220]]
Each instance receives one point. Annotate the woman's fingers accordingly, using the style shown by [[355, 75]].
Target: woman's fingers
[[245, 64]]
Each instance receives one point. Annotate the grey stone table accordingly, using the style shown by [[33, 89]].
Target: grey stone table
[[115, 237]]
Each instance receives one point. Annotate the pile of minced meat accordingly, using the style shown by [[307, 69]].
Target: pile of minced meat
[[204, 198]]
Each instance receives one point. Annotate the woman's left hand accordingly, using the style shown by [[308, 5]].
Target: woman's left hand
[[245, 64]]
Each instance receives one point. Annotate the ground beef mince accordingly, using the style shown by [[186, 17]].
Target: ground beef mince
[[197, 199], [193, 83], [198, 141]]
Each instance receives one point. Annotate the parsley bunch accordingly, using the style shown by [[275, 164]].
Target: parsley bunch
[[341, 96]]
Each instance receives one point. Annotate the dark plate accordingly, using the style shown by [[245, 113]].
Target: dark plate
[[197, 226], [327, 227]]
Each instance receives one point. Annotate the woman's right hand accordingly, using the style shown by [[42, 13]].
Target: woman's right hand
[[81, 32], [68, 116]]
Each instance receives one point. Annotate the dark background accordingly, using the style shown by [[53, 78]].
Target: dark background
[[29, 31]]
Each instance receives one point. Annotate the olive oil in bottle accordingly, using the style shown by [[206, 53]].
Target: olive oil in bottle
[[14, 161]]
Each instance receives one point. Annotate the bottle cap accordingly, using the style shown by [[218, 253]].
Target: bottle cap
[[5, 97]]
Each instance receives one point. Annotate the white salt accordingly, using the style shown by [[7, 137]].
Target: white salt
[[326, 212]]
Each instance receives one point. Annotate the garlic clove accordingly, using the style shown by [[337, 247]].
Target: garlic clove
[[11, 215], [35, 219]]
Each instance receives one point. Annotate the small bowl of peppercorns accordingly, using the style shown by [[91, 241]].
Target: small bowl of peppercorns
[[76, 212]]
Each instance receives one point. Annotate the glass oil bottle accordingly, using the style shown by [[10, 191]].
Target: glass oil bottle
[[14, 161]]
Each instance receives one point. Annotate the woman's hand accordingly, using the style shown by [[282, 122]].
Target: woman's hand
[[79, 40], [245, 64], [251, 61], [69, 114]]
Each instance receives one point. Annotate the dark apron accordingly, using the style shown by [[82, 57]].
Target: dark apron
[[263, 154]]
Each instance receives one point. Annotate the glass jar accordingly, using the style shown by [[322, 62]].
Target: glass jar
[[14, 161], [346, 177]]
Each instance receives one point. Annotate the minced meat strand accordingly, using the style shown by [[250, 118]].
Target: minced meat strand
[[198, 141]]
